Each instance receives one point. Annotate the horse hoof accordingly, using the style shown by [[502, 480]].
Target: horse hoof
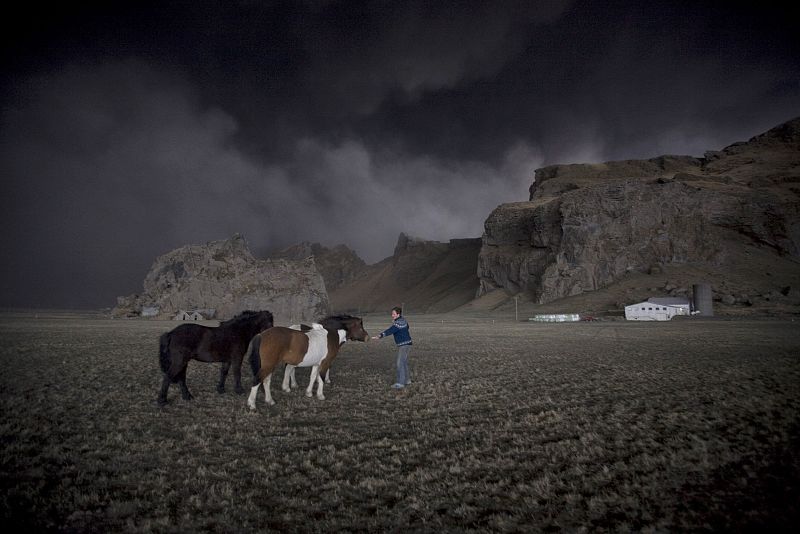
[[321, 397], [287, 390], [162, 402], [271, 403], [239, 391], [308, 394], [220, 390]]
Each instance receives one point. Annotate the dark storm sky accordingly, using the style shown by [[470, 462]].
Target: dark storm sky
[[131, 128]]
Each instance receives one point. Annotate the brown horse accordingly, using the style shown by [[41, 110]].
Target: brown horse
[[315, 348], [225, 343]]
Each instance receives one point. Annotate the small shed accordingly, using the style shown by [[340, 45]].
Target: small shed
[[188, 316], [555, 318], [658, 309]]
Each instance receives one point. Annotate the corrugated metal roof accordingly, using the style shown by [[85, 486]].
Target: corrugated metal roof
[[669, 301]]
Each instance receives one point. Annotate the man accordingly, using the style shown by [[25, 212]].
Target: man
[[402, 338]]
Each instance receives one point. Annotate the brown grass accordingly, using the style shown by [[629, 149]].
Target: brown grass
[[689, 425]]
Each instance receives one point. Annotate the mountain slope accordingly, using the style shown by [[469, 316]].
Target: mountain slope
[[589, 227], [423, 276]]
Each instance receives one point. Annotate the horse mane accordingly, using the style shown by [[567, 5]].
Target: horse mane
[[246, 315]]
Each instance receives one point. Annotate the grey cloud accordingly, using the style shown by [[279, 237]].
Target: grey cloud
[[414, 47], [127, 131], [134, 167]]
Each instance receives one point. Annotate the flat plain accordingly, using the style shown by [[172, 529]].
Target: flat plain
[[508, 426]]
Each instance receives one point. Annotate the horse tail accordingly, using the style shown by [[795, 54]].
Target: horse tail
[[164, 357], [254, 355]]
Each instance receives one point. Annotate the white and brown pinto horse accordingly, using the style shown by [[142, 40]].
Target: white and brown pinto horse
[[355, 331], [315, 348], [289, 381]]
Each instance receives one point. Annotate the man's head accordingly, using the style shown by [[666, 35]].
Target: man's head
[[397, 311]]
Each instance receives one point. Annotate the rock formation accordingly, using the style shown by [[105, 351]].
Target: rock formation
[[590, 237], [221, 278], [586, 226], [338, 265], [425, 276]]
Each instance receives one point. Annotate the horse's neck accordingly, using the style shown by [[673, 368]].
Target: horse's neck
[[242, 327]]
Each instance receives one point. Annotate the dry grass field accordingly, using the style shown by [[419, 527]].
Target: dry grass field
[[680, 426]]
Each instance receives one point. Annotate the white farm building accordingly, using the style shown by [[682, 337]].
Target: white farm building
[[188, 316], [658, 309]]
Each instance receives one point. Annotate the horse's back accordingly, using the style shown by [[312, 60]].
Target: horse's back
[[191, 327], [281, 337], [203, 343], [187, 335], [225, 343], [287, 345], [208, 344]]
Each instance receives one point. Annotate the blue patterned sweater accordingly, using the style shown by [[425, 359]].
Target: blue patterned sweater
[[400, 331]]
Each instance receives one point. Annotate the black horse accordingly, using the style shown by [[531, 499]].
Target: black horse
[[225, 343]]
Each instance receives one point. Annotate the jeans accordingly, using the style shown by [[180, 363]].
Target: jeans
[[403, 375]]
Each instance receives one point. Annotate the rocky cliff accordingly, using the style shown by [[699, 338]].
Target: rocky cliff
[[424, 276], [338, 265], [587, 226], [221, 278]]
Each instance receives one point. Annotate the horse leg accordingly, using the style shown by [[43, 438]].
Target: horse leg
[[314, 376], [181, 377], [236, 362], [251, 399], [264, 376], [325, 367], [288, 376], [162, 395], [294, 380], [223, 374], [324, 371], [267, 381], [321, 383], [257, 383]]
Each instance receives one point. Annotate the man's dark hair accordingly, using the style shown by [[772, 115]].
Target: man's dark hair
[[398, 309]]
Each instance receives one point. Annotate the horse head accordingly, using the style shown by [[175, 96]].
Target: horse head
[[355, 329], [263, 320], [353, 325]]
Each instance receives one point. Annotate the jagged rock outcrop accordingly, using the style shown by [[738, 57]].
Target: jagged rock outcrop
[[424, 276], [338, 265], [586, 226], [223, 278]]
